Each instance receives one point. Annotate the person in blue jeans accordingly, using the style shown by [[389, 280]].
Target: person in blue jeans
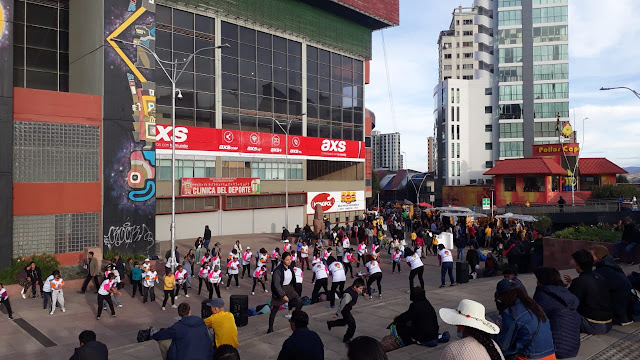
[[461, 243], [630, 239], [446, 261], [207, 237]]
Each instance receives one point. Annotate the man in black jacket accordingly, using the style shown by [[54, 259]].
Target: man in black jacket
[[619, 284], [285, 234], [630, 239], [90, 349], [592, 291], [34, 275], [303, 343], [283, 290], [420, 322]]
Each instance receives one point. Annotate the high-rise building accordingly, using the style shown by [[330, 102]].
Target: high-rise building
[[503, 63], [430, 153], [386, 152]]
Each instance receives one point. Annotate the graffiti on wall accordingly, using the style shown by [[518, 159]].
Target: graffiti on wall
[[129, 126]]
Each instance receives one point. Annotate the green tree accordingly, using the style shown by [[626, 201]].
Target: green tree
[[621, 179], [627, 191]]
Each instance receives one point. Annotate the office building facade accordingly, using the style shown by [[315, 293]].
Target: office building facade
[[386, 153]]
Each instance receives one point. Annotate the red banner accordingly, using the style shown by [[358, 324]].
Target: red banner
[[219, 186], [246, 143]]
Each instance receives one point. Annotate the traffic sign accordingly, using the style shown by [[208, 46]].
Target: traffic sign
[[486, 204]]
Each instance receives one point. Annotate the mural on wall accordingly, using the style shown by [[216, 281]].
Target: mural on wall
[[129, 127]]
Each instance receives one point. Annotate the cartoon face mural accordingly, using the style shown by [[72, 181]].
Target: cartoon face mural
[[141, 175]]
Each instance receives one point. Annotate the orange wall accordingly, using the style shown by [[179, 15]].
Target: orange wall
[[466, 196], [56, 198], [56, 107], [607, 180], [519, 196]]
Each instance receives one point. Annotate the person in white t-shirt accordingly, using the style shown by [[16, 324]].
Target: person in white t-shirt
[[299, 276], [259, 275], [362, 251], [446, 261], [232, 270], [338, 278], [181, 280], [347, 260], [321, 272], [326, 255], [215, 278], [57, 294], [304, 255], [397, 260], [104, 295], [149, 280], [246, 261], [203, 276], [345, 242], [416, 266], [375, 275]]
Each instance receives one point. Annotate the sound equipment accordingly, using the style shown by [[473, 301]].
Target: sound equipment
[[462, 272], [239, 307]]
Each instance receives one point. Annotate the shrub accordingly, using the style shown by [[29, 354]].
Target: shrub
[[112, 254], [590, 233], [543, 224], [46, 263], [627, 191]]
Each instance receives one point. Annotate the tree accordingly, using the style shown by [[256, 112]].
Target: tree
[[621, 179]]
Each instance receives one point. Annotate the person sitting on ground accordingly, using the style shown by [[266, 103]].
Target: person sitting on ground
[[303, 343], [223, 324], [418, 324], [490, 265], [561, 307], [90, 349], [592, 291], [475, 331], [189, 337], [619, 285], [365, 348], [525, 331]]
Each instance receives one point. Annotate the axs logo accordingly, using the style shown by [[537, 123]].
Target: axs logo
[[333, 145], [163, 133], [324, 200]]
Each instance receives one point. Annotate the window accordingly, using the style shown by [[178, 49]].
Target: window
[[551, 91], [588, 183], [458, 131], [509, 184], [550, 33], [447, 56], [550, 110], [534, 184], [511, 149], [453, 96], [488, 109], [458, 96], [467, 77], [488, 146], [511, 130], [488, 91], [458, 152], [458, 168], [510, 36], [467, 32], [550, 14], [467, 22], [510, 111], [467, 44], [488, 165], [453, 150], [550, 52], [41, 45], [546, 2], [467, 66], [555, 183], [509, 3], [446, 67], [276, 170], [551, 72], [473, 182], [511, 17], [510, 92], [545, 129], [510, 55], [510, 73], [453, 168], [186, 168], [468, 55], [488, 128], [458, 113]]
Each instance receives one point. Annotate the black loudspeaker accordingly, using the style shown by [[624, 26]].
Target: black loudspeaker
[[462, 272], [239, 307], [205, 310]]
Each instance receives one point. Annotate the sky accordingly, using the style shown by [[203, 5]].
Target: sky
[[603, 52]]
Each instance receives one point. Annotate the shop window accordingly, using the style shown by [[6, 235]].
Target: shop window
[[533, 184], [509, 184]]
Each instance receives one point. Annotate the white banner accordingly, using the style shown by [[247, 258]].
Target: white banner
[[336, 201]]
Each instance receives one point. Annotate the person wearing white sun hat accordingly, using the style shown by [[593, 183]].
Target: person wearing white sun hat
[[476, 333]]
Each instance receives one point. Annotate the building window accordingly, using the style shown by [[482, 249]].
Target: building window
[[550, 110], [488, 165], [510, 17], [488, 128], [545, 129], [551, 72], [550, 14], [467, 77], [458, 132], [488, 109], [510, 92], [510, 73], [467, 44], [510, 55], [588, 183], [458, 168], [551, 52], [473, 182], [446, 67], [511, 149], [453, 168], [488, 91], [550, 33], [510, 111], [547, 2], [458, 151], [458, 96], [458, 113], [509, 184], [468, 55], [511, 130], [467, 66], [510, 36], [488, 146], [453, 150], [467, 33], [467, 22], [509, 3], [551, 91], [41, 45], [447, 56], [186, 168], [534, 184]]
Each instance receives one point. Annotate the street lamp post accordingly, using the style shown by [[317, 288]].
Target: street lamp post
[[175, 75], [286, 169], [582, 145], [622, 87]]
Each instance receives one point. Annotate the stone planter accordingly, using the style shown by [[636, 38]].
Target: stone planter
[[557, 252]]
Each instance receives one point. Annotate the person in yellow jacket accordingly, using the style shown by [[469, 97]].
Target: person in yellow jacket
[[223, 324], [169, 289]]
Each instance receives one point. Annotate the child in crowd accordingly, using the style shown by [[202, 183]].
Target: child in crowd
[[362, 250], [4, 299], [57, 295], [326, 255], [263, 259], [397, 258], [215, 278], [169, 288], [349, 300], [148, 284], [136, 278], [46, 291], [145, 265]]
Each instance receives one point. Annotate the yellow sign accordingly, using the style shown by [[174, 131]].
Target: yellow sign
[[567, 130]]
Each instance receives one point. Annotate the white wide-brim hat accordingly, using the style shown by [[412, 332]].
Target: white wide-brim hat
[[469, 313]]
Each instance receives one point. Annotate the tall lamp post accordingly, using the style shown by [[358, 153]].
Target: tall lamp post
[[286, 168], [173, 77], [622, 87]]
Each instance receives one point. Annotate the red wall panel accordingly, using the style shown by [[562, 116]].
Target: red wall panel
[[56, 198], [386, 10]]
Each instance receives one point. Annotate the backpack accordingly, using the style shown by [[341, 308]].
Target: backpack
[[144, 335]]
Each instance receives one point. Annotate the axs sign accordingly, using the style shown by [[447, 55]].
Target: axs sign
[[333, 145], [324, 199], [163, 133]]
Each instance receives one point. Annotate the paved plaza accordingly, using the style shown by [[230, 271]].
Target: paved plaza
[[42, 336]]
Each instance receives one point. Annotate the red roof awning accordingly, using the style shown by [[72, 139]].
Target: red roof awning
[[598, 166], [528, 166]]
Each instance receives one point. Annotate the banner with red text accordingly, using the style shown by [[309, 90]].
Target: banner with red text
[[222, 142], [219, 186]]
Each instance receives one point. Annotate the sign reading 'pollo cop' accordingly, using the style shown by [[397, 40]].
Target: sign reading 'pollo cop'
[[556, 149]]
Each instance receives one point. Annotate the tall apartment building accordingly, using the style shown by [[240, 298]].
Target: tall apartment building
[[430, 153], [514, 56], [385, 150]]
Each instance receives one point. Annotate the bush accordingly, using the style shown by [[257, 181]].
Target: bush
[[46, 263], [627, 191], [109, 255], [590, 233], [543, 224]]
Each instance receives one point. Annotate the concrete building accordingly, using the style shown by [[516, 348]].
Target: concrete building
[[85, 155], [386, 153], [430, 154]]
